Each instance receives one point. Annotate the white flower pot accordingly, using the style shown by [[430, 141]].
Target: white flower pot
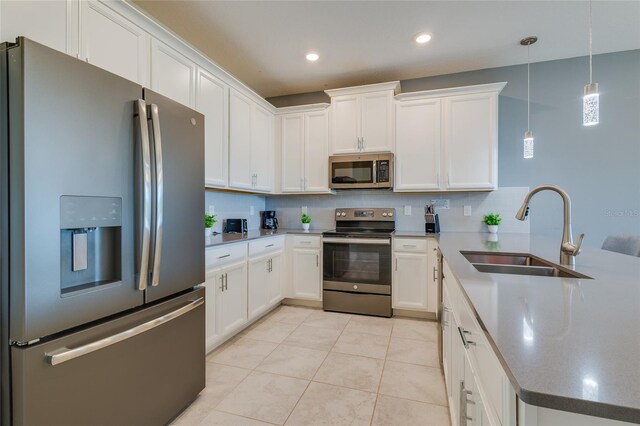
[[493, 229], [305, 226], [207, 232]]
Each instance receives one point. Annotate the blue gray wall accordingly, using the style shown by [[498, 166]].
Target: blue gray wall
[[599, 166]]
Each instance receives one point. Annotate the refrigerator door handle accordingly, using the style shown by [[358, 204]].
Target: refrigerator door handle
[[65, 354], [157, 140], [141, 111]]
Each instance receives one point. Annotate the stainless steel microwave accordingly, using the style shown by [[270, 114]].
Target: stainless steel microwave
[[361, 171]]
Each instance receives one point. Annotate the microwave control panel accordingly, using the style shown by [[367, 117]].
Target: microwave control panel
[[383, 171]]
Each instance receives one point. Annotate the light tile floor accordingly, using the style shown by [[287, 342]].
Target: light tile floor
[[302, 366]]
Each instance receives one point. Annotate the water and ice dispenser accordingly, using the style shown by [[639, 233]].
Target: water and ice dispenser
[[90, 242]]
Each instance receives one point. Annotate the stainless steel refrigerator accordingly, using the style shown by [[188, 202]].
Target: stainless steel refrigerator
[[101, 201]]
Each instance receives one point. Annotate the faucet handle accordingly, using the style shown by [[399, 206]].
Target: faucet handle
[[578, 244]]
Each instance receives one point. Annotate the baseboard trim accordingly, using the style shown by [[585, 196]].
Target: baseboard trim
[[414, 314], [302, 302]]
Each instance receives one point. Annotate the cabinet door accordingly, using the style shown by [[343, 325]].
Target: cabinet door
[[345, 124], [172, 75], [376, 111], [307, 283], [417, 153], [111, 42], [316, 135], [231, 299], [212, 100], [446, 322], [274, 279], [457, 370], [239, 141], [258, 287], [211, 285], [292, 130], [432, 275], [52, 23], [410, 281], [262, 148], [471, 141]]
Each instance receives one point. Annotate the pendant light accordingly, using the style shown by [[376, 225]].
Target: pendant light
[[528, 135], [591, 98]]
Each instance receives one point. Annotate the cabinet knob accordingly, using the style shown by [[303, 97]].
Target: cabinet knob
[[355, 287]]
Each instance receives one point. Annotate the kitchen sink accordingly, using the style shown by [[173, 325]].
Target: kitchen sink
[[518, 264]]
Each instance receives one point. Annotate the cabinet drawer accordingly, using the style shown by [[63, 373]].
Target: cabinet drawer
[[220, 256], [413, 245], [306, 241], [265, 245]]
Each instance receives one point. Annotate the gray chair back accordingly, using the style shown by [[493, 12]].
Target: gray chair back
[[625, 244]]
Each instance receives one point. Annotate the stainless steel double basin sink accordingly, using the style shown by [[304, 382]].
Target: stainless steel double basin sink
[[518, 264]]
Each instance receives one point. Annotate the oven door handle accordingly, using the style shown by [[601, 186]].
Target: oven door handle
[[370, 241]]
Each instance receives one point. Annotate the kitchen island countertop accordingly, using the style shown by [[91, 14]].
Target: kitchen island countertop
[[565, 343]]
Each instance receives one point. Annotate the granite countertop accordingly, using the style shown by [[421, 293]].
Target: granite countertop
[[565, 343], [414, 234], [255, 234]]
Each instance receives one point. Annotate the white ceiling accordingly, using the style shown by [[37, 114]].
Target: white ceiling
[[264, 43]]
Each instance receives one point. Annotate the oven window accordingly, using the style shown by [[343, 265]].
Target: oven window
[[357, 263], [352, 172]]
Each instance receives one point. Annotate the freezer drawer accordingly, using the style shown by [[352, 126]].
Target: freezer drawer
[[142, 377]]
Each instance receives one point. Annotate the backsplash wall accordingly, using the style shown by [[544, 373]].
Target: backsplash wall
[[321, 208], [235, 206]]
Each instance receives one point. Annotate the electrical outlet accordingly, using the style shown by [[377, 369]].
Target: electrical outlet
[[407, 210], [467, 210], [252, 211], [212, 209], [441, 203], [303, 209]]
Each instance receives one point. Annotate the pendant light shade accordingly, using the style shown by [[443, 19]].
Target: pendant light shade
[[527, 151], [591, 98]]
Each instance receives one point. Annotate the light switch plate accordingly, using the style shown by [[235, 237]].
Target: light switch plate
[[252, 211], [441, 203], [467, 210], [407, 210], [303, 209]]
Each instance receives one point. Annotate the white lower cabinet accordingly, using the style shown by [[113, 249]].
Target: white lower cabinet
[[231, 298], [306, 267], [414, 287], [478, 390], [264, 286]]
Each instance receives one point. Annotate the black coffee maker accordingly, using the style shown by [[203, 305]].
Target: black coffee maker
[[269, 220]]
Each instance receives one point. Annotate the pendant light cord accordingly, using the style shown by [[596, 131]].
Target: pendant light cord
[[590, 44], [528, 90]]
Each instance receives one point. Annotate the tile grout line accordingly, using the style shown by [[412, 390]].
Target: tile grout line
[[384, 364]]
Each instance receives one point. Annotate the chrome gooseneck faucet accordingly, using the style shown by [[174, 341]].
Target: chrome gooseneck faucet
[[568, 250]]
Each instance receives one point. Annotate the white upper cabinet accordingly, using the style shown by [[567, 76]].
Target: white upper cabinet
[[417, 158], [447, 139], [293, 152], [240, 176], [262, 148], [172, 74], [362, 118], [251, 146], [305, 149], [113, 43], [212, 100], [471, 141], [52, 23]]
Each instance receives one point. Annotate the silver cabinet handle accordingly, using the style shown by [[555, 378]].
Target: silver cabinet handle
[[267, 265], [269, 245], [396, 263], [305, 242], [66, 354], [270, 265], [317, 260], [409, 245], [463, 336], [157, 139], [226, 282], [435, 273], [222, 282], [464, 418], [222, 257], [141, 112]]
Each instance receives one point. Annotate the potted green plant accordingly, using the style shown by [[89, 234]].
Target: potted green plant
[[209, 221], [492, 220], [306, 221]]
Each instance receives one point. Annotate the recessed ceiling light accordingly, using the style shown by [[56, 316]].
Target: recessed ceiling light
[[312, 57], [423, 38]]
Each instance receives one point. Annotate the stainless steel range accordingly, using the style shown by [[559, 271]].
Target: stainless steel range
[[357, 262]]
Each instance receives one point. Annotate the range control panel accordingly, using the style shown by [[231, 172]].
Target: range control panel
[[366, 214]]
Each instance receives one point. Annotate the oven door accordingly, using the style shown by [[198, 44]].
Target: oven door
[[350, 261], [354, 171]]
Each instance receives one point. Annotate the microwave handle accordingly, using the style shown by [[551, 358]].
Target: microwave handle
[[375, 171]]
